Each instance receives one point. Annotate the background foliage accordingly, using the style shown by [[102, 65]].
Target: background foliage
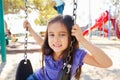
[[44, 7]]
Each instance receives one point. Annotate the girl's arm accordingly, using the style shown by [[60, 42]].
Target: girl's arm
[[96, 56], [37, 38]]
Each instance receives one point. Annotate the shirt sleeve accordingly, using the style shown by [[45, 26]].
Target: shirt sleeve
[[79, 56], [78, 59]]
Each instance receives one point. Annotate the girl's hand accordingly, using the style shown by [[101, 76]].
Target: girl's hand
[[77, 32], [26, 25]]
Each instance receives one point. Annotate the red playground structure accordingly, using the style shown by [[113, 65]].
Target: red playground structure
[[102, 20]]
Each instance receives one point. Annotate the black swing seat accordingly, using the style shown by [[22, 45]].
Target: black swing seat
[[24, 70]]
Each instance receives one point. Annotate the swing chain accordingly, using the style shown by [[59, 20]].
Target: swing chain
[[74, 10], [26, 8], [68, 58], [71, 47], [70, 50], [26, 32]]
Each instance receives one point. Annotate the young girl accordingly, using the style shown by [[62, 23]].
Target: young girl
[[61, 51]]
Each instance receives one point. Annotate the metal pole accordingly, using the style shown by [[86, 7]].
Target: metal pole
[[109, 23], [90, 21], [2, 33], [115, 16]]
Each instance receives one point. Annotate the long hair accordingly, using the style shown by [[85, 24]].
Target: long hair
[[68, 22]]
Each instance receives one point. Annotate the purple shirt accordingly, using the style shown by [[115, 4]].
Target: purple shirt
[[52, 67]]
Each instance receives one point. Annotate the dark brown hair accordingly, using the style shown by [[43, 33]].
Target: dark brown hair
[[68, 22]]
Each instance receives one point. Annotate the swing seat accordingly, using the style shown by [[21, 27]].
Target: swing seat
[[24, 70]]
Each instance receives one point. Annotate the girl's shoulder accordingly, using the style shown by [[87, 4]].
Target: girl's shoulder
[[79, 55], [80, 51]]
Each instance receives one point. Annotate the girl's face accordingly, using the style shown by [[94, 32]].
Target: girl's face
[[57, 37]]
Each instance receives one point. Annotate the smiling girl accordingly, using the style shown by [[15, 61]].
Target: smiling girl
[[61, 51]]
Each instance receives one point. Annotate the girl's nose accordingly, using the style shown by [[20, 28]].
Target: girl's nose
[[56, 39]]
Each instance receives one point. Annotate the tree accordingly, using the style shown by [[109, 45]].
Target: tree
[[46, 10], [44, 7], [13, 6]]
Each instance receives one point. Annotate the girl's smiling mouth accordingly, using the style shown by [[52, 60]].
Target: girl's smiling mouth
[[57, 45]]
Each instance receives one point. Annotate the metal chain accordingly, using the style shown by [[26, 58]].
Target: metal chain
[[68, 58], [26, 32], [70, 50], [74, 10], [71, 45], [26, 8]]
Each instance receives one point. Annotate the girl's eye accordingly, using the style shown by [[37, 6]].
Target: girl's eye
[[51, 34], [62, 35]]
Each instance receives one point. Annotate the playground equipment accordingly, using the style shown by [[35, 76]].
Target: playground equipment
[[102, 20], [25, 67], [2, 34]]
